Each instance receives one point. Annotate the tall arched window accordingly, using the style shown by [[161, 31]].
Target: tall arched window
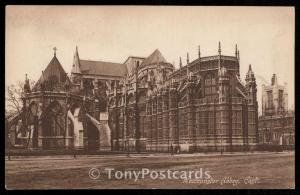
[[210, 88]]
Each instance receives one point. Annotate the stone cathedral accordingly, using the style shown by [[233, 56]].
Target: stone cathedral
[[202, 106], [143, 104]]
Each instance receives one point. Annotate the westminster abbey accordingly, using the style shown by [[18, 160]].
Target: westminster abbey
[[202, 106], [143, 104]]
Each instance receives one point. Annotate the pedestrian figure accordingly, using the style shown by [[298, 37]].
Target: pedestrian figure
[[74, 153]]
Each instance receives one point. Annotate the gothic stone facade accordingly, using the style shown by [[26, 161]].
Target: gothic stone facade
[[55, 114], [65, 113], [203, 106], [277, 123]]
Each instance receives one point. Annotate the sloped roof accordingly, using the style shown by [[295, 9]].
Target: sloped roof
[[102, 68], [54, 68], [155, 57]]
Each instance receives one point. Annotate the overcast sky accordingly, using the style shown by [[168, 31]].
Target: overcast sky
[[265, 37]]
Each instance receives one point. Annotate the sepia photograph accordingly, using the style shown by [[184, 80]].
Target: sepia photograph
[[149, 97]]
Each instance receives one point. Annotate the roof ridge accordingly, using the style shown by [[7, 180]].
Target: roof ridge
[[102, 68], [101, 61]]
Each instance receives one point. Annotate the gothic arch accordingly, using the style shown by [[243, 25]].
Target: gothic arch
[[33, 121], [130, 97], [210, 87], [53, 126], [73, 107], [33, 110], [120, 101]]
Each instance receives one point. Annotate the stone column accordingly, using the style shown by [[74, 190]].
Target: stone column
[[165, 118], [191, 115], [154, 122], [117, 125], [173, 109], [148, 125], [159, 129], [125, 122]]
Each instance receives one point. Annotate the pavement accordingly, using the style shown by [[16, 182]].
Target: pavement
[[144, 155], [270, 170]]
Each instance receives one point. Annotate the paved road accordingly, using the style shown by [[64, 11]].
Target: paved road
[[66, 157], [237, 170]]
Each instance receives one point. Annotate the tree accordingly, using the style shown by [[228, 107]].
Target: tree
[[13, 104], [13, 98]]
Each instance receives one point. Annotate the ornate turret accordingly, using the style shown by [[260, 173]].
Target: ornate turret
[[250, 78], [76, 67], [223, 84], [236, 51], [187, 58], [180, 63], [76, 63], [251, 86], [219, 51], [27, 85], [187, 65], [274, 80], [199, 53]]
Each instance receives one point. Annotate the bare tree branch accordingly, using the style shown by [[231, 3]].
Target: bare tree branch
[[13, 98]]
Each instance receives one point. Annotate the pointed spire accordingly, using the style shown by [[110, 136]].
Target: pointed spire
[[76, 52], [54, 49], [76, 62], [187, 58], [250, 77], [274, 80], [236, 50], [238, 54], [26, 85], [199, 53], [219, 50], [180, 62], [187, 66]]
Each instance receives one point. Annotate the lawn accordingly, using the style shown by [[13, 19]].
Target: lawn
[[262, 170]]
